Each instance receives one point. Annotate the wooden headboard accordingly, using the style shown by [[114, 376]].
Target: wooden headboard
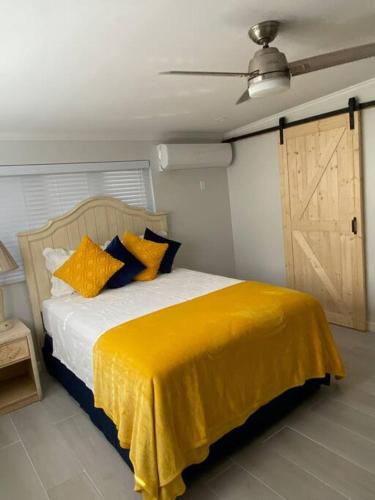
[[101, 218]]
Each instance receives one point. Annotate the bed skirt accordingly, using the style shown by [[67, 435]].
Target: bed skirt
[[256, 424]]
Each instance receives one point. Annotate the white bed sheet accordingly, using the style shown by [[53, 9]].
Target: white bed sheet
[[75, 323]]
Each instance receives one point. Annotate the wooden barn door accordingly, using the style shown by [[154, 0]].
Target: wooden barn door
[[322, 210]]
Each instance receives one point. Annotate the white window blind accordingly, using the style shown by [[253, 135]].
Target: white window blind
[[29, 199]]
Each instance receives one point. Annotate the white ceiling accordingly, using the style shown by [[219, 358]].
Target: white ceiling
[[89, 68]]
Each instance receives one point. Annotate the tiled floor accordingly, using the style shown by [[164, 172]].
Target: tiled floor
[[325, 450]]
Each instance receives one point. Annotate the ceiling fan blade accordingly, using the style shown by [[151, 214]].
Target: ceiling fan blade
[[330, 59], [203, 73], [244, 97]]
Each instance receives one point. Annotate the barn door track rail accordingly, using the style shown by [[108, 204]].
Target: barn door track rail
[[352, 106]]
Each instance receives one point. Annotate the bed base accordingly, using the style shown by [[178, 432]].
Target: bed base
[[254, 426]]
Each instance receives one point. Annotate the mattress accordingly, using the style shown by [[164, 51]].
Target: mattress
[[75, 323]]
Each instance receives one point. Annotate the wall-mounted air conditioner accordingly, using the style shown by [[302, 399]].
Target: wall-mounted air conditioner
[[180, 156]]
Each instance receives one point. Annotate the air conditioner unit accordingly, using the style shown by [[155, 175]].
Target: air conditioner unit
[[181, 156]]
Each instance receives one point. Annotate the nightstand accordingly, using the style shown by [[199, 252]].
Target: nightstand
[[19, 375]]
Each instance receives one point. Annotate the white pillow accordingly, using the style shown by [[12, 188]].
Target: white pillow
[[55, 258], [160, 233]]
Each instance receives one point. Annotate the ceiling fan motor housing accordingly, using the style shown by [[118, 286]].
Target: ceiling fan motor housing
[[269, 72], [268, 60]]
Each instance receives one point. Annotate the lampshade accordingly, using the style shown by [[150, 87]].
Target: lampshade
[[273, 83], [7, 263]]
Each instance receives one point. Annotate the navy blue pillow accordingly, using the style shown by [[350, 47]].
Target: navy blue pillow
[[132, 265], [170, 254]]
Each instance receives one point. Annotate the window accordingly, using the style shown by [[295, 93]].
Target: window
[[31, 195]]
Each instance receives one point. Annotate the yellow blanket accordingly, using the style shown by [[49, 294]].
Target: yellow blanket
[[176, 380]]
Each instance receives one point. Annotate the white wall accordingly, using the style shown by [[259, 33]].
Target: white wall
[[200, 220], [256, 210], [254, 188]]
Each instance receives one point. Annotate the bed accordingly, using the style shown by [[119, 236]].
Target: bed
[[70, 329]]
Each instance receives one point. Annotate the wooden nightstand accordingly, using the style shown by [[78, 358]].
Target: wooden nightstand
[[19, 375]]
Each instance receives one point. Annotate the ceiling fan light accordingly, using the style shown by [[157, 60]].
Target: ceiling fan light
[[269, 84]]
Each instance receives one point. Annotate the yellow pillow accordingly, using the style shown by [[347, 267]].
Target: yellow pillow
[[148, 252], [88, 269]]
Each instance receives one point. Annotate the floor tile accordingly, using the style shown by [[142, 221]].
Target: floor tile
[[340, 474], [210, 470], [358, 361], [58, 404], [18, 480], [199, 491], [48, 450], [237, 484], [110, 474], [347, 337], [357, 398], [8, 433], [348, 417], [283, 476], [366, 352], [78, 487], [336, 438]]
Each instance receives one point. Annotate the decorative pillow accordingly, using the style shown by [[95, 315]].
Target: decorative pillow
[[88, 269], [131, 268], [170, 254], [55, 258], [148, 252]]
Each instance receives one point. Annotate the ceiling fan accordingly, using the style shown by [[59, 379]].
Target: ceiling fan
[[270, 72]]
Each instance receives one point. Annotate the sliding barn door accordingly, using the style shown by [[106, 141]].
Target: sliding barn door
[[323, 222]]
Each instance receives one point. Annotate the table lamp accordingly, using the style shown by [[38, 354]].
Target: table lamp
[[7, 263]]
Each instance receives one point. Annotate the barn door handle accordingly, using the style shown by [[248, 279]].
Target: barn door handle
[[354, 225]]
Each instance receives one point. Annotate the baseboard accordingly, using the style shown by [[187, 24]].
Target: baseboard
[[370, 325]]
